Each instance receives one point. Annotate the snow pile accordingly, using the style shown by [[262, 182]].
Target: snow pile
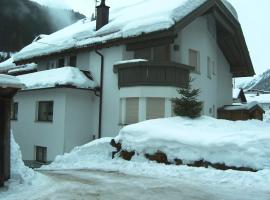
[[18, 170], [126, 20], [266, 116], [95, 154], [130, 61], [65, 76], [239, 144], [10, 81]]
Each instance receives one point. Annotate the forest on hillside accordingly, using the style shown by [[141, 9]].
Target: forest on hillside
[[23, 20]]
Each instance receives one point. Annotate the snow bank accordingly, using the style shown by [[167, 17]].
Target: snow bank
[[239, 144], [93, 154], [18, 170], [69, 76], [97, 156], [127, 19]]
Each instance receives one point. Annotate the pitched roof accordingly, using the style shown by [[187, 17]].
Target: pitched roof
[[127, 19], [137, 18]]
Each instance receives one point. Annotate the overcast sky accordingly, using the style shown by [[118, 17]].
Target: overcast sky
[[253, 16]]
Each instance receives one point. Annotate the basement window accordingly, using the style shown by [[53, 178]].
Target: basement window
[[45, 111], [41, 154], [14, 111]]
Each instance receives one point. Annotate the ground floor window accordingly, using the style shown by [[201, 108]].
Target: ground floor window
[[14, 111], [132, 110], [45, 111], [155, 108], [41, 154]]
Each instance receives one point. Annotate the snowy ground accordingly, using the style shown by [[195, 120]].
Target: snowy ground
[[88, 172]]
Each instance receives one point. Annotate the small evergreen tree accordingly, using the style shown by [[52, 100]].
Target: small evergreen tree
[[187, 104]]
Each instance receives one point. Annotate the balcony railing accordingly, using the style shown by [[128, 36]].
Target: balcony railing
[[150, 73]]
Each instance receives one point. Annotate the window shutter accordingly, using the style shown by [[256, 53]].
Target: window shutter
[[132, 110], [155, 108]]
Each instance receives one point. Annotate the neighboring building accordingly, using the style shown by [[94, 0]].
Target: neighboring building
[[241, 112], [261, 98], [136, 60], [239, 96]]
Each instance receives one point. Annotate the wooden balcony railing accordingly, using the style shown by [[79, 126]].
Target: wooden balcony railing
[[150, 73]]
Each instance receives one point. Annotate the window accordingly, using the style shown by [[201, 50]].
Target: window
[[158, 53], [132, 110], [155, 108], [41, 154], [51, 64], [45, 111], [61, 62], [144, 54], [73, 61], [209, 67], [14, 111], [194, 60]]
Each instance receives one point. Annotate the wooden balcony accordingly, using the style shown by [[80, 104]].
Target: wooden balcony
[[151, 73]]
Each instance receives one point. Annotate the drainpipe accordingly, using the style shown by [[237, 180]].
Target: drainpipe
[[101, 93]]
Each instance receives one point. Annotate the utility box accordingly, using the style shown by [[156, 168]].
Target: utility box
[[8, 88]]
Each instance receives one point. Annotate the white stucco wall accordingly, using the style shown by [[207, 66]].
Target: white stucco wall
[[217, 90], [30, 133], [81, 118], [111, 100], [72, 124]]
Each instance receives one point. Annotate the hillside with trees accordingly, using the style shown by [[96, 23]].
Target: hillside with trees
[[23, 20]]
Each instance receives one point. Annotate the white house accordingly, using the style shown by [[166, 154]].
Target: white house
[[136, 55]]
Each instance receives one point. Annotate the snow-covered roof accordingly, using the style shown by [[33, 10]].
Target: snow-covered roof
[[127, 19], [239, 106], [6, 65], [261, 98], [23, 68], [10, 81], [65, 76]]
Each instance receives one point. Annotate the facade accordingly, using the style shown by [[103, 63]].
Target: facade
[[136, 79]]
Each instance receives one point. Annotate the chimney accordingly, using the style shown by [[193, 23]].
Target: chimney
[[102, 15]]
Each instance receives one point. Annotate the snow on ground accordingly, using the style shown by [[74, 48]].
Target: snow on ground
[[204, 138], [22, 177], [126, 20], [240, 143], [70, 76]]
